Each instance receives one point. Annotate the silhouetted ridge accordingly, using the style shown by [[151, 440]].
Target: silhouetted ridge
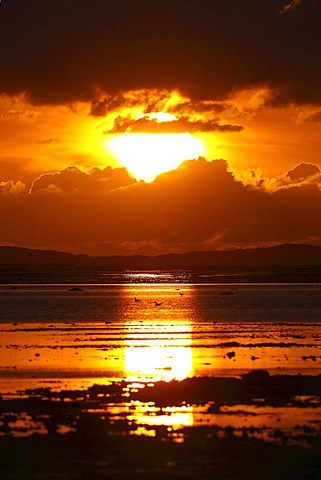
[[290, 254], [21, 255]]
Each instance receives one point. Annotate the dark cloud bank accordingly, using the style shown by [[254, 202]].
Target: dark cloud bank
[[184, 124], [59, 51], [198, 206]]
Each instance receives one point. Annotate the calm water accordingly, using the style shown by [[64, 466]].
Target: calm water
[[153, 327], [78, 334]]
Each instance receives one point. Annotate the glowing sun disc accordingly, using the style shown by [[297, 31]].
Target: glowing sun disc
[[147, 155]]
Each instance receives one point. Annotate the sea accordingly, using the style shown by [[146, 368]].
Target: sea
[[212, 373], [73, 329]]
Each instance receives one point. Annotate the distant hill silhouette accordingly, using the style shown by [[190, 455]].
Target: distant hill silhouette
[[282, 255]]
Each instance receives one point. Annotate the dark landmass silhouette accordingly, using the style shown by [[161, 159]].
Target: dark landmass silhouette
[[281, 255]]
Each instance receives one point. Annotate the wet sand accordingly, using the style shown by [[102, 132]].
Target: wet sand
[[256, 426]]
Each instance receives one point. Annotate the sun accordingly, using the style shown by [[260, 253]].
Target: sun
[[146, 155]]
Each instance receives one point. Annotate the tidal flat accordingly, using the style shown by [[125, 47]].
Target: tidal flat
[[156, 378], [256, 425]]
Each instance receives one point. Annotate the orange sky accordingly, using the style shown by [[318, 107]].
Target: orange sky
[[82, 100]]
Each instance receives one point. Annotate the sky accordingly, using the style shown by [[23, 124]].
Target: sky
[[159, 126]]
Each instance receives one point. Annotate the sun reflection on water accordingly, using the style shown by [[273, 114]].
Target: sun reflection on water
[[158, 342], [158, 347], [158, 351]]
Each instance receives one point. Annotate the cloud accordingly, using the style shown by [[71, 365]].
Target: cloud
[[303, 172], [68, 51], [154, 100], [136, 112], [303, 175], [47, 141], [291, 5], [17, 108], [150, 100], [16, 169], [11, 188], [72, 180], [178, 125], [200, 205], [309, 114]]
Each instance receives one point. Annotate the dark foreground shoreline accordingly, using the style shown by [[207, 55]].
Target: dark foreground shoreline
[[85, 435]]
